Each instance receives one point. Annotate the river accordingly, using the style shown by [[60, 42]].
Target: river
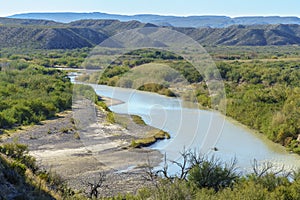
[[192, 128], [202, 130]]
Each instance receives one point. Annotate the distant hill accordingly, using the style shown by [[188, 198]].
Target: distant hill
[[12, 21], [45, 34], [176, 21], [49, 38], [110, 27], [239, 35]]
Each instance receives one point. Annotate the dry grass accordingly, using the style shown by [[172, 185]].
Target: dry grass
[[153, 136], [138, 120]]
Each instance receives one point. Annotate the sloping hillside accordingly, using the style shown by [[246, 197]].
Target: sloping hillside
[[11, 21], [17, 182], [246, 35], [49, 38], [88, 33], [110, 27]]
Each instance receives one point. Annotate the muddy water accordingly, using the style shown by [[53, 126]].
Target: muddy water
[[206, 131]]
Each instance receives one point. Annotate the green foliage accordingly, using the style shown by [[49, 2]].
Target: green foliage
[[265, 96], [152, 137], [103, 106], [32, 94], [167, 190], [110, 118], [157, 88], [253, 52], [19, 152], [112, 75], [212, 174], [268, 185], [137, 119], [81, 91], [46, 58]]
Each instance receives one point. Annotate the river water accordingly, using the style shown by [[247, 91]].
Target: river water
[[202, 130]]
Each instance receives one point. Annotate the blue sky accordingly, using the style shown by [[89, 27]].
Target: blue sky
[[165, 7]]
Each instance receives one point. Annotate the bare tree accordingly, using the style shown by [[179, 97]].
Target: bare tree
[[95, 186], [184, 165], [150, 174], [188, 159], [262, 169]]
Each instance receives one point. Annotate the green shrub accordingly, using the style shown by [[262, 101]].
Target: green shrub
[[212, 174], [110, 118]]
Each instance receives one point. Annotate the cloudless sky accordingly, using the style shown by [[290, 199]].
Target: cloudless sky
[[165, 7]]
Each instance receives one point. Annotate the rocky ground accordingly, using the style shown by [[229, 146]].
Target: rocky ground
[[80, 144]]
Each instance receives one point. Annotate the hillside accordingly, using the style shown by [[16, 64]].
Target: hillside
[[11, 21], [262, 35], [110, 27], [176, 21], [43, 34], [49, 38]]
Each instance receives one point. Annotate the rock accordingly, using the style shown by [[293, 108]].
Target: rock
[[298, 138], [215, 149]]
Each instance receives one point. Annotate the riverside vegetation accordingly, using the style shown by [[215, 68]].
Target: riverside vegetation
[[31, 93], [262, 92], [200, 178]]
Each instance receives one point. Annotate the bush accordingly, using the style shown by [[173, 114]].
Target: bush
[[110, 118], [19, 153], [213, 174]]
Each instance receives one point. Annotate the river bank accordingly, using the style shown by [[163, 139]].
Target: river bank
[[193, 128], [79, 156]]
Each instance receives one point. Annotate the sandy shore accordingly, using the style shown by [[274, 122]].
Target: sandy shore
[[101, 148], [111, 102]]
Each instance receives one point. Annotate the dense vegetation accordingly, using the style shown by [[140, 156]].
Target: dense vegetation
[[200, 178], [114, 74], [47, 58], [31, 93], [265, 96], [262, 94], [21, 178], [209, 178]]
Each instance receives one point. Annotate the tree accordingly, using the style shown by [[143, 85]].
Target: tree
[[96, 185], [213, 174]]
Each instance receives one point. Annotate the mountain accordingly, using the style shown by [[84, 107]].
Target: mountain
[[12, 21], [45, 34], [49, 38], [239, 35], [110, 27], [176, 21]]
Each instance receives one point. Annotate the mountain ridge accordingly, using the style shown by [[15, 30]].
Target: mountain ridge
[[213, 21], [43, 34]]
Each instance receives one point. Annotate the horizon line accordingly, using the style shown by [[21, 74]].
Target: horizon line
[[170, 14]]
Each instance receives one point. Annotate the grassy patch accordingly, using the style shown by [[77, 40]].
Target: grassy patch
[[160, 134], [154, 136], [102, 105], [110, 118], [138, 120], [77, 135]]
